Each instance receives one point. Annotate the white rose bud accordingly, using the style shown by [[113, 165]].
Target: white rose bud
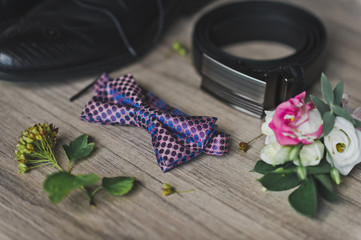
[[266, 130], [275, 153], [344, 144], [311, 155]]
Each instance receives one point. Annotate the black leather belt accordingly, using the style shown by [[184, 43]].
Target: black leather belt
[[254, 85]]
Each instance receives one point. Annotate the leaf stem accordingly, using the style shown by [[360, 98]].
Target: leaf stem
[[38, 155], [254, 139], [96, 190], [185, 191], [335, 175], [38, 161], [55, 164], [282, 170], [40, 165], [329, 154], [90, 197], [295, 155]]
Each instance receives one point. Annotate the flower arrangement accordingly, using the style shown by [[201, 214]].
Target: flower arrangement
[[308, 145]]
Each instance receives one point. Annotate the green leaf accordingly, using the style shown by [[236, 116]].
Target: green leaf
[[338, 92], [327, 90], [304, 198], [284, 170], [263, 168], [323, 167], [325, 180], [327, 194], [86, 180], [79, 148], [340, 111], [357, 123], [328, 122], [118, 185], [60, 184], [279, 182], [325, 187], [320, 105]]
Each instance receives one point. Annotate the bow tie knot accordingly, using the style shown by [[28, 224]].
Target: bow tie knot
[[176, 137]]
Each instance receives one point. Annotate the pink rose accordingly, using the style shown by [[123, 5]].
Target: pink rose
[[295, 122]]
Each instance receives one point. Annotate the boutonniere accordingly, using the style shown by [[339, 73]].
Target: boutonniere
[[308, 145]]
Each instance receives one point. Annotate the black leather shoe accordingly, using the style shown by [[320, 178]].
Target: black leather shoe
[[71, 38], [11, 10]]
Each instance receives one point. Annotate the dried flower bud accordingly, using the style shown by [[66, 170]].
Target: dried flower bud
[[22, 167], [28, 139], [167, 189], [179, 48], [243, 146]]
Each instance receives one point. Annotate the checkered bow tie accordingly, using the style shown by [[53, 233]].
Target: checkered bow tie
[[176, 137]]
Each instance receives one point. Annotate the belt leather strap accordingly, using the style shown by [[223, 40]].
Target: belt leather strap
[[254, 85]]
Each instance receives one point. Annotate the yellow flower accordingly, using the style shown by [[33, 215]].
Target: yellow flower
[[36, 145]]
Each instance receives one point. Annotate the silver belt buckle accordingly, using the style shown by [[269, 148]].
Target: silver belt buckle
[[243, 92]]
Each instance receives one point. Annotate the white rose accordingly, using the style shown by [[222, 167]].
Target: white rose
[[312, 154], [275, 153], [344, 144], [266, 130], [270, 139]]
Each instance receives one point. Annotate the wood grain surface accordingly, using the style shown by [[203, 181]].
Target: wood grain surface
[[228, 202]]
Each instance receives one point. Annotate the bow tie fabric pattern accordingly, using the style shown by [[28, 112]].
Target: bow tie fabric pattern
[[176, 137]]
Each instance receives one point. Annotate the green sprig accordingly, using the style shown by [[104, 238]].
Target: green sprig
[[36, 149], [333, 106], [60, 184]]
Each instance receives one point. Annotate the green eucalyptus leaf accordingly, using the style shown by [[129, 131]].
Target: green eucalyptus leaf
[[263, 168], [327, 90], [320, 105], [325, 187], [60, 184], [357, 123], [338, 92], [328, 122], [323, 167], [79, 148], [279, 181], [304, 198], [118, 185], [340, 111]]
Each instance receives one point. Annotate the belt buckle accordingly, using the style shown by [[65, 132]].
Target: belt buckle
[[281, 85], [243, 92]]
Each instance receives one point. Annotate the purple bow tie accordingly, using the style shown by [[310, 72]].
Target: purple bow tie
[[176, 137]]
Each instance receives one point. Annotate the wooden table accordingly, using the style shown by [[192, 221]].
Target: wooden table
[[228, 202]]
